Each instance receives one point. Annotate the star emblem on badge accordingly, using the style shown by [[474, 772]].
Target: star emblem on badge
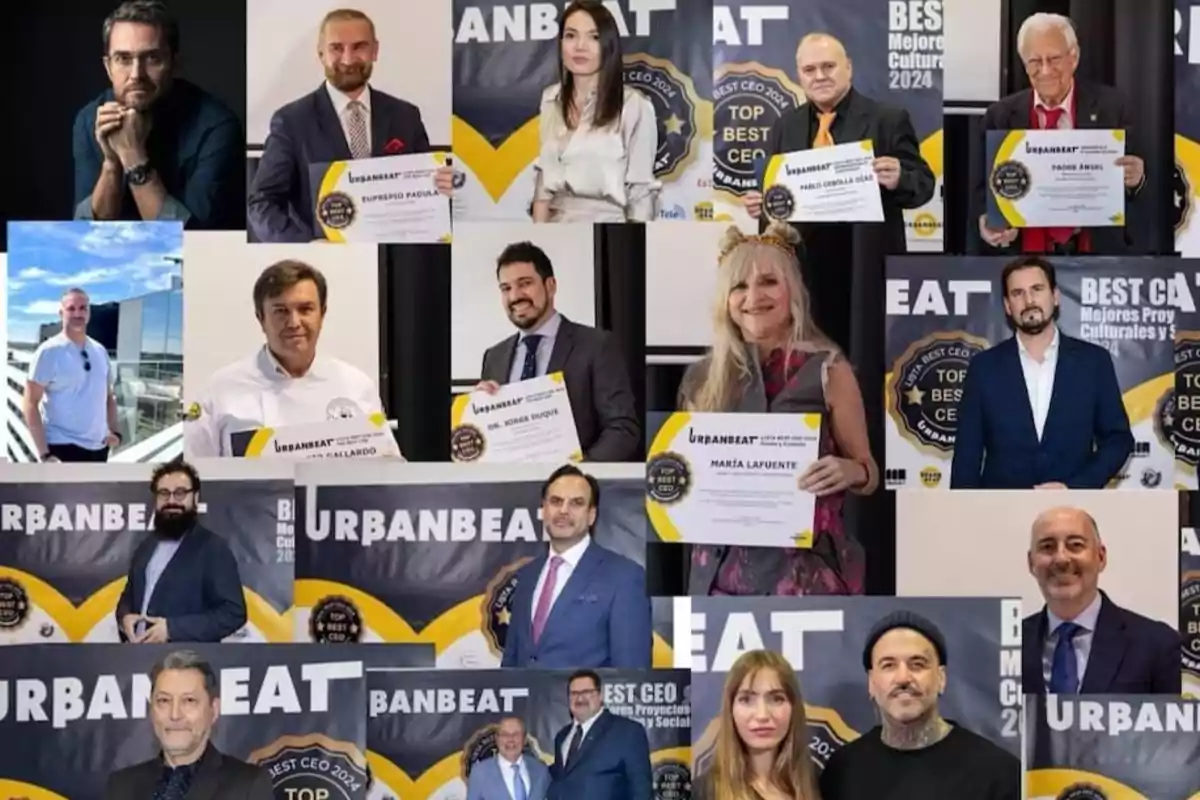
[[673, 124], [914, 396]]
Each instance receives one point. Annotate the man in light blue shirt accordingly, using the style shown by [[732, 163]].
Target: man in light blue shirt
[[512, 774], [69, 404]]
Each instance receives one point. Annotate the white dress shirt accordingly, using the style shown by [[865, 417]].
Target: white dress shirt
[[341, 105], [258, 392], [1039, 380], [586, 725], [548, 330], [570, 557], [507, 772], [1067, 121], [1082, 642]]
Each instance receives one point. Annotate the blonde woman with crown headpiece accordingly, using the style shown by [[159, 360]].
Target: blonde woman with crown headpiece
[[768, 356]]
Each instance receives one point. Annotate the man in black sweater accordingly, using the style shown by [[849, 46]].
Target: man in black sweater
[[915, 754]]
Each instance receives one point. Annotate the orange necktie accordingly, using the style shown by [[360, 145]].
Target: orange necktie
[[824, 138]]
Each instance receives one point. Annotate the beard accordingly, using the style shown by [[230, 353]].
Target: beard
[[349, 78], [528, 322], [1033, 324], [175, 524]]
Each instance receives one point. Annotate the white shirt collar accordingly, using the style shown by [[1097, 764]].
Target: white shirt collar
[[1040, 104], [341, 100], [1051, 349], [271, 367], [587, 726], [1085, 620], [573, 554]]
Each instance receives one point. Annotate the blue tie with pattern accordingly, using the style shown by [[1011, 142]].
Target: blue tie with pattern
[[1064, 669], [176, 785], [529, 368], [519, 792]]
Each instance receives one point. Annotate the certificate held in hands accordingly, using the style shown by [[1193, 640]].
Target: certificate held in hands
[[386, 200], [733, 479], [359, 437], [528, 421], [824, 184], [1055, 179]]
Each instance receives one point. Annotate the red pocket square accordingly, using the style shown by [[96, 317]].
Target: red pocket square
[[393, 146]]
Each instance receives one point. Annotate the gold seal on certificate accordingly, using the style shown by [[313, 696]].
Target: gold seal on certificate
[[386, 200], [825, 184], [733, 479], [528, 421], [1055, 178], [358, 437]]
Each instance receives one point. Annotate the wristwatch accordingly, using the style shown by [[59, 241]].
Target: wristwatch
[[139, 175]]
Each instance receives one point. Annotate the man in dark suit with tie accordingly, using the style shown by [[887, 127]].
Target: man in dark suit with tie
[[344, 119], [580, 605], [185, 704], [1049, 49], [597, 380], [1082, 642], [835, 113], [1040, 410], [183, 583], [599, 756]]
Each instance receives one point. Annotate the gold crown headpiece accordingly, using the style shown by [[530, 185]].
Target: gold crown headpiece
[[772, 239]]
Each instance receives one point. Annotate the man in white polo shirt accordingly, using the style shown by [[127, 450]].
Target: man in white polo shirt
[[285, 382], [69, 405]]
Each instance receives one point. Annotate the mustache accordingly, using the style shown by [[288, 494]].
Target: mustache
[[906, 688]]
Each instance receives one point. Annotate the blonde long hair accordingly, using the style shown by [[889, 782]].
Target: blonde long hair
[[792, 773], [729, 361]]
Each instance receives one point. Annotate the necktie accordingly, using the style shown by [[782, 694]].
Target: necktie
[[1043, 240], [573, 746], [519, 792], [824, 138], [529, 368], [1064, 669], [545, 599], [1053, 117], [356, 129], [175, 787]]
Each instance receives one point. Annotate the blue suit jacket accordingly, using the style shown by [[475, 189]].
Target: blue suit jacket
[[601, 618], [1086, 440], [199, 593], [1130, 654], [487, 782], [307, 131], [613, 763]]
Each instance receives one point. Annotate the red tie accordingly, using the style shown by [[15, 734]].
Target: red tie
[[1042, 240], [1053, 117]]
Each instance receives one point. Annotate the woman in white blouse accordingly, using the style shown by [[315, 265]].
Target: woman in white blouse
[[598, 136]]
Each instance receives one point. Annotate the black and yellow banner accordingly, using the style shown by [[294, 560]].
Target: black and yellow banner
[[429, 729], [1186, 192]]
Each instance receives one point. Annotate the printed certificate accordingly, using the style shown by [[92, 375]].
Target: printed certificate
[[528, 421], [733, 479], [824, 184], [388, 200], [1055, 178], [361, 437]]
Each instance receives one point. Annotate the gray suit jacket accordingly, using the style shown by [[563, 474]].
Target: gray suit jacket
[[598, 388], [487, 781], [218, 777]]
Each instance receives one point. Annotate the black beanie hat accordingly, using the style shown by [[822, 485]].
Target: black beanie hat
[[905, 619]]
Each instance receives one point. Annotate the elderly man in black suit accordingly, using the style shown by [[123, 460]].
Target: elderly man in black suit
[[1049, 50], [342, 120], [597, 381]]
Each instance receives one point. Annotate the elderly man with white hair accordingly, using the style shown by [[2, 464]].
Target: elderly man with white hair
[[1049, 50]]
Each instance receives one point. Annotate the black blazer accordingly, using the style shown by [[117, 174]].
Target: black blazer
[[308, 131], [199, 593], [613, 762], [598, 388], [1096, 107], [218, 777], [1130, 654], [890, 128]]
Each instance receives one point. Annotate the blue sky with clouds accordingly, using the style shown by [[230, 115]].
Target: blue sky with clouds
[[108, 260]]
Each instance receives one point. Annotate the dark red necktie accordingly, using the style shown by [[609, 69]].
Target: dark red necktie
[[1042, 240]]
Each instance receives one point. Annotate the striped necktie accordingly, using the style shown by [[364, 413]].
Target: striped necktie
[[356, 125]]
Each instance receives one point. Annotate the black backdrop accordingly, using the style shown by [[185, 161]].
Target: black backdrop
[[53, 50]]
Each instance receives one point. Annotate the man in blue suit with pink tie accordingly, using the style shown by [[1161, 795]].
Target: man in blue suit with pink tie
[[581, 605], [1040, 410]]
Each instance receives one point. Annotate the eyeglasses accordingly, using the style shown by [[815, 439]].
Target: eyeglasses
[[173, 494], [87, 362], [582, 695]]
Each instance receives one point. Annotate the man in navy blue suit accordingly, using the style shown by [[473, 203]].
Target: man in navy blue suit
[[581, 605], [183, 583], [344, 119], [1040, 410], [1082, 642], [599, 756]]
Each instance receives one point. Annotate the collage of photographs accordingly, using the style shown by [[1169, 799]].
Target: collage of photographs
[[601, 400]]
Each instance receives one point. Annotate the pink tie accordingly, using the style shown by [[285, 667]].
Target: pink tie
[[545, 599]]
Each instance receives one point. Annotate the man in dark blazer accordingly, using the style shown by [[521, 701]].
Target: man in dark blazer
[[1081, 642], [185, 704], [183, 583], [344, 119], [599, 756], [906, 181], [1049, 49], [598, 388], [1040, 410], [580, 605]]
